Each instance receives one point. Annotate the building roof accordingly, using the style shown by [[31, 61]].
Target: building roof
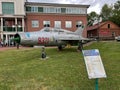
[[56, 4], [96, 26]]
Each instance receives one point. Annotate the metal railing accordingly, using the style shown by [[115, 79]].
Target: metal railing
[[11, 29]]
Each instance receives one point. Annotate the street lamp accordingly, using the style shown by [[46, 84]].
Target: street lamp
[[16, 27], [13, 26], [19, 26]]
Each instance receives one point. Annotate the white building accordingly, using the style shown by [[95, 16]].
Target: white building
[[12, 18]]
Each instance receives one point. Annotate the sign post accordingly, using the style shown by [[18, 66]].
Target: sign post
[[96, 84], [94, 65]]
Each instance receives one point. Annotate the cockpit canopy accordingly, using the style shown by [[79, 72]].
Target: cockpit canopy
[[48, 29]]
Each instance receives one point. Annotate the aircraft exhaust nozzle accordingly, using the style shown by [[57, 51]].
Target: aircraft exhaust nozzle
[[17, 38]]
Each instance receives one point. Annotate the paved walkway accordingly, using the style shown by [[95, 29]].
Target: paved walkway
[[6, 48]]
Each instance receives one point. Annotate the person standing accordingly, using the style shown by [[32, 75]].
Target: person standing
[[1, 43]]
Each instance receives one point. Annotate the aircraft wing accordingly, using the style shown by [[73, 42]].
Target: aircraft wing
[[72, 38], [66, 39]]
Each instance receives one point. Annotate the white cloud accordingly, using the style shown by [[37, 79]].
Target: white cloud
[[95, 8]]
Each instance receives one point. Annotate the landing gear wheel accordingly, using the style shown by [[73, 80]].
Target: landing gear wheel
[[17, 45], [80, 46], [60, 47]]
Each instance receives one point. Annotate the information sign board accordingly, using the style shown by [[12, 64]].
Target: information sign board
[[94, 65]]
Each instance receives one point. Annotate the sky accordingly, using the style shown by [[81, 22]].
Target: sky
[[95, 5]]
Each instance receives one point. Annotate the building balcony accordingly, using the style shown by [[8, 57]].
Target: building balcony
[[12, 29]]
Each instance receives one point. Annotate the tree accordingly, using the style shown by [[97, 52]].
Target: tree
[[106, 12], [91, 18], [116, 13], [111, 12]]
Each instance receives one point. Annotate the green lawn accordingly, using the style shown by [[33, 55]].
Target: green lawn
[[64, 70]]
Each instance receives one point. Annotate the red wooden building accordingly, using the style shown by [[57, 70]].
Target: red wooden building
[[103, 30]]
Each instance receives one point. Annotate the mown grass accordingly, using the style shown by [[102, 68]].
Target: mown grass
[[23, 69]]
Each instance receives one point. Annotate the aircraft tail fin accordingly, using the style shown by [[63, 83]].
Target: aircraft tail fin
[[79, 31]]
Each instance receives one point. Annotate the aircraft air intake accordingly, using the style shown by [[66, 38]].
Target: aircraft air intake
[[17, 38]]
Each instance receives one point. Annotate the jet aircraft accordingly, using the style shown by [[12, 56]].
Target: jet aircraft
[[50, 37]]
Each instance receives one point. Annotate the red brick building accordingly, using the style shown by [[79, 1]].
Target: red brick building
[[65, 16], [103, 30]]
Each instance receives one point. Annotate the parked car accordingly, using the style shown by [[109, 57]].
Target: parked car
[[117, 38]]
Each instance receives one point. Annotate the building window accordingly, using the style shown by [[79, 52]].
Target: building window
[[76, 10], [40, 9], [68, 24], [83, 11], [63, 10], [47, 9], [8, 8], [79, 23], [35, 23], [57, 24], [51, 10], [28, 9], [46, 23], [108, 25], [113, 34], [34, 9]]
